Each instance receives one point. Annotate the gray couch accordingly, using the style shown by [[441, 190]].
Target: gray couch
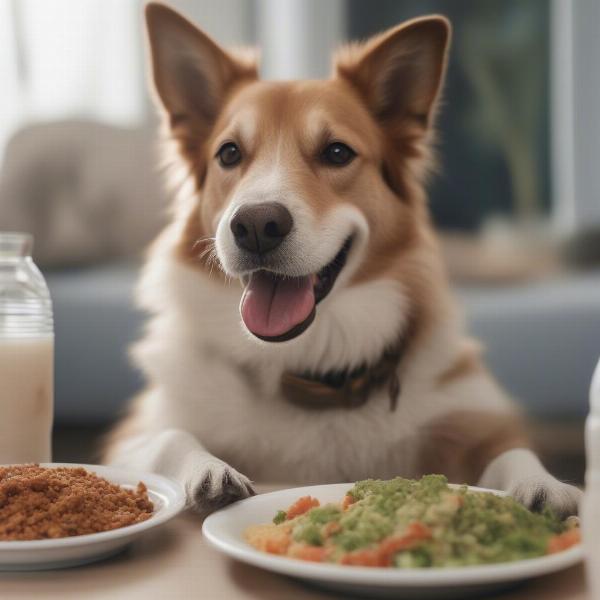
[[542, 340]]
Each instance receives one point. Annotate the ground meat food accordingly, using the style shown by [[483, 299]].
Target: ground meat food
[[42, 502]]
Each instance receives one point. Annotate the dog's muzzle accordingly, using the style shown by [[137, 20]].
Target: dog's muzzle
[[277, 307]]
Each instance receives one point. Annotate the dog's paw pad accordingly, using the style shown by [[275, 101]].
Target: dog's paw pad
[[206, 484], [536, 494], [538, 499], [218, 485]]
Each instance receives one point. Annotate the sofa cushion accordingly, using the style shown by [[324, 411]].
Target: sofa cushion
[[542, 340]]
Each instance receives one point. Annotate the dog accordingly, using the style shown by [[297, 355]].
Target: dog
[[302, 325]]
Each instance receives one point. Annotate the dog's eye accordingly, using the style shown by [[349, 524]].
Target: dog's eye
[[229, 155], [338, 154]]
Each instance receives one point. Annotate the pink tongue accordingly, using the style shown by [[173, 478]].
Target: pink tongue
[[272, 306]]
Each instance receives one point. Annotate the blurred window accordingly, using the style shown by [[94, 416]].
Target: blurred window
[[73, 59], [70, 59], [494, 124]]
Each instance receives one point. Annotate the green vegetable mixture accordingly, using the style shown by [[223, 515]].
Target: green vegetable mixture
[[461, 527]]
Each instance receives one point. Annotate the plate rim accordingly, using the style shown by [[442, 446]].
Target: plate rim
[[381, 577], [176, 503]]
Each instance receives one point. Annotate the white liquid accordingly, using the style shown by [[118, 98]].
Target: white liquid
[[26, 399], [590, 506]]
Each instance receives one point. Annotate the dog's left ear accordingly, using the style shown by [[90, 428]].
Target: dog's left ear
[[400, 72]]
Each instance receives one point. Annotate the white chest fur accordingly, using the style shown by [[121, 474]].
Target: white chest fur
[[223, 386]]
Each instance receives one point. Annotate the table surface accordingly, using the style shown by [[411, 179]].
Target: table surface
[[174, 562]]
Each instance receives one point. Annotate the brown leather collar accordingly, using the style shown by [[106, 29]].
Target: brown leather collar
[[347, 389]]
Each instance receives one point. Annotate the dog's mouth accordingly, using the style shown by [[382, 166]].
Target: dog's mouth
[[276, 308]]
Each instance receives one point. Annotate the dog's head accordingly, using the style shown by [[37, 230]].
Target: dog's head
[[305, 188]]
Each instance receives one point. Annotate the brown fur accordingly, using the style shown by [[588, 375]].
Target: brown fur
[[392, 140], [293, 121], [192, 101], [462, 444], [381, 101], [393, 144], [403, 239], [466, 364]]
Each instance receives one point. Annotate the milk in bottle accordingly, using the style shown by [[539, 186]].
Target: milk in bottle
[[26, 355]]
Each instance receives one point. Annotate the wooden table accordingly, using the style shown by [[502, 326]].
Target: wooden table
[[174, 563]]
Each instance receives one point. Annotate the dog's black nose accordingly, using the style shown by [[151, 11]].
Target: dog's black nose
[[262, 227]]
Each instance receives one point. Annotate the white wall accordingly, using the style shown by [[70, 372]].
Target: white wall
[[298, 36], [229, 22], [575, 59]]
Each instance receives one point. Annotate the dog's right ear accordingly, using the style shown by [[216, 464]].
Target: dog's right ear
[[400, 72], [192, 73]]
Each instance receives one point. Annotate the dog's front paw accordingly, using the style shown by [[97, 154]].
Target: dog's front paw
[[537, 492], [215, 484]]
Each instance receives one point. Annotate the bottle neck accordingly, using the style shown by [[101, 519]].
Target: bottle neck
[[15, 245], [25, 305]]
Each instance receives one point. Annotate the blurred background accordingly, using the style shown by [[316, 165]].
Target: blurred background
[[517, 199]]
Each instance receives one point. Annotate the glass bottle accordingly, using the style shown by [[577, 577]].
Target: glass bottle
[[26, 355], [590, 507]]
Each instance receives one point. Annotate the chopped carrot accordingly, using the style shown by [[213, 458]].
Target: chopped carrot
[[311, 553], [348, 500], [278, 544], [415, 533], [382, 555], [301, 506], [362, 558], [565, 540]]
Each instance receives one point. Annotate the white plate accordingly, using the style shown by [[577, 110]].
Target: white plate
[[224, 530], [167, 496]]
